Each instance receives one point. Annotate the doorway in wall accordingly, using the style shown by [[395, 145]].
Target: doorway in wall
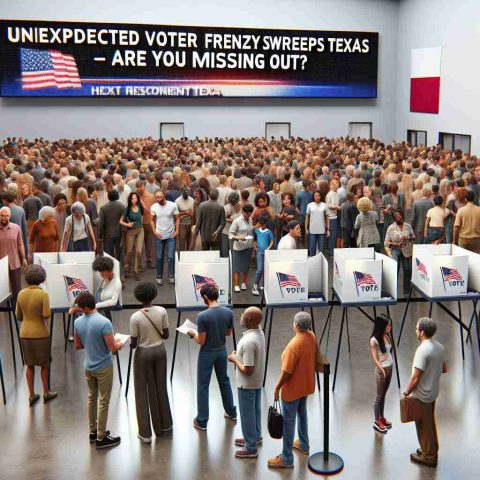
[[360, 130], [277, 130], [417, 137], [172, 130], [452, 141]]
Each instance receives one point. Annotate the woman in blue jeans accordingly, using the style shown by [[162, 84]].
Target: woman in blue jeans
[[214, 325], [265, 241], [317, 223]]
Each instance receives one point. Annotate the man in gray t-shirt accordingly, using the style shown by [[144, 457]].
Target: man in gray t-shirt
[[428, 365], [250, 361]]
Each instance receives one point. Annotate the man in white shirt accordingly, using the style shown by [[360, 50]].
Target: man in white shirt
[[165, 223], [250, 362], [428, 365], [289, 241]]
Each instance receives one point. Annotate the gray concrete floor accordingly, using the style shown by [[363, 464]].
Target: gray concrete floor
[[50, 441]]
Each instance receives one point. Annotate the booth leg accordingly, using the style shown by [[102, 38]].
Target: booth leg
[[327, 323], [3, 383], [478, 328], [52, 320], [234, 336], [265, 322], [268, 346], [64, 325], [175, 346], [461, 329], [119, 368], [405, 314], [374, 312], [262, 300], [338, 349], [348, 331], [67, 332], [12, 340], [394, 347], [313, 328], [430, 310], [471, 321], [128, 372], [15, 320]]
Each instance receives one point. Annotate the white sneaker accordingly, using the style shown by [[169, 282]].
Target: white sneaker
[[159, 281], [237, 288], [144, 439], [171, 280], [243, 287], [255, 290]]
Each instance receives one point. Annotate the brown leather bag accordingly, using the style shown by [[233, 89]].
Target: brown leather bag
[[409, 409], [320, 360]]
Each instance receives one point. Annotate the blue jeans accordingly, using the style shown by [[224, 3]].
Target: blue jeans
[[250, 404], [81, 246], [290, 411], [333, 235], [260, 263], [207, 361], [315, 239], [170, 243], [406, 262]]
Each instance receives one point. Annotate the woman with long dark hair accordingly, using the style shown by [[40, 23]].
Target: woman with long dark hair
[[381, 349], [132, 221]]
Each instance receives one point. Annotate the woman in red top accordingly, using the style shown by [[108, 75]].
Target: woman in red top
[[44, 236]]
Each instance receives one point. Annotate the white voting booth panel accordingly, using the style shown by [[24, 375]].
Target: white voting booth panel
[[5, 290], [286, 276], [69, 274], [443, 270], [360, 273], [195, 269]]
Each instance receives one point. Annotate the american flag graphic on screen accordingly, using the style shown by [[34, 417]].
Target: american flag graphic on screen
[[421, 267], [450, 274], [74, 286], [48, 69], [199, 281]]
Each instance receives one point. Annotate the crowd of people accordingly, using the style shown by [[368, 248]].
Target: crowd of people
[[148, 199]]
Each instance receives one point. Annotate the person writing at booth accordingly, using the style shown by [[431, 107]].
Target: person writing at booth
[[296, 382], [108, 293], [214, 325], [250, 362], [94, 333]]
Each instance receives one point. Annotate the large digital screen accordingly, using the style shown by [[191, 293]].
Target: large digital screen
[[58, 59]]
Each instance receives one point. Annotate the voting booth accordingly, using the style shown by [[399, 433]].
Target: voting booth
[[69, 274], [445, 270], [362, 275], [291, 277], [195, 269], [5, 290]]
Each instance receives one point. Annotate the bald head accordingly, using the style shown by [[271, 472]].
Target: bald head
[[252, 317]]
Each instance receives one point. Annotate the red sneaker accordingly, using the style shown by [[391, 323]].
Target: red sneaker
[[379, 426], [387, 424], [246, 454]]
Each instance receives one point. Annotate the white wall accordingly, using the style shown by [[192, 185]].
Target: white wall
[[54, 118], [454, 26]]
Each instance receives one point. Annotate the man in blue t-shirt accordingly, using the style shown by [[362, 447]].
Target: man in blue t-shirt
[[214, 325], [94, 333]]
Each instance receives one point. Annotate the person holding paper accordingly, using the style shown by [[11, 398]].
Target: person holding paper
[[94, 333], [148, 330], [250, 362], [108, 293], [214, 325], [428, 365]]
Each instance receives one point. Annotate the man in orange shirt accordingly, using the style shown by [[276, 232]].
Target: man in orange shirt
[[296, 382]]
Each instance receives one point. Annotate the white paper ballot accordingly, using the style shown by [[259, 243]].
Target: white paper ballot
[[187, 325], [121, 338]]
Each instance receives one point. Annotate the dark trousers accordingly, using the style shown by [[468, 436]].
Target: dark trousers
[[184, 237], [111, 245], [397, 255], [151, 395], [383, 382], [210, 244], [149, 239], [15, 276]]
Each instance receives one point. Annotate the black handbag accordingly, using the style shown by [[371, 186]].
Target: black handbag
[[275, 420]]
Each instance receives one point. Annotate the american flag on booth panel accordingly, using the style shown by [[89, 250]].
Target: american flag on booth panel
[[450, 274], [199, 281], [74, 286], [48, 69], [287, 280], [421, 267]]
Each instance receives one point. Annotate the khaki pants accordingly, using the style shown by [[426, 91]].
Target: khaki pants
[[134, 238], [149, 237], [99, 390], [184, 237], [427, 432], [472, 244]]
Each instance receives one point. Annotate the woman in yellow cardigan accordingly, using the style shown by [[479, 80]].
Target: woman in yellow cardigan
[[33, 310]]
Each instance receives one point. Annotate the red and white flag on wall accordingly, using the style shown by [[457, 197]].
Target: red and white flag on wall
[[425, 80]]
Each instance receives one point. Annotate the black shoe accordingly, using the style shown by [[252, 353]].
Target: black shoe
[[107, 442], [93, 436]]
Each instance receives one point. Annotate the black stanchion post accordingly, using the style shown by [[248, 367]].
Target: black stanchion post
[[128, 372], [326, 462]]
